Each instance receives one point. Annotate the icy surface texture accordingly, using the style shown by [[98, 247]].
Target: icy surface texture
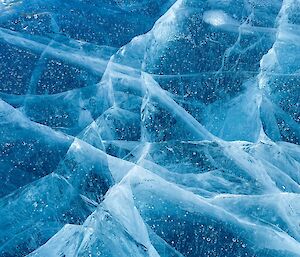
[[154, 128]]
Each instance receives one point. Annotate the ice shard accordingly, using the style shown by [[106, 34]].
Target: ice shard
[[150, 128]]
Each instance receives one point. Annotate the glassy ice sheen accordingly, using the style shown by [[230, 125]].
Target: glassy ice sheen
[[147, 128]]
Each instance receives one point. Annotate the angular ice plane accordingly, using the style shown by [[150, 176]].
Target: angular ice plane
[[150, 128]]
